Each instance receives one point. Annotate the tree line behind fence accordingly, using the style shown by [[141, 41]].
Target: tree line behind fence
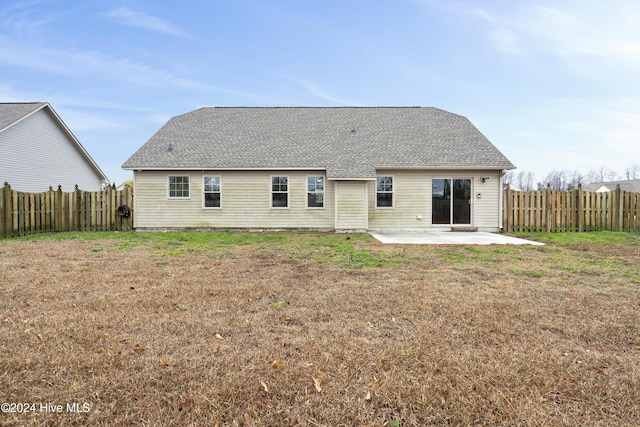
[[54, 211], [575, 210]]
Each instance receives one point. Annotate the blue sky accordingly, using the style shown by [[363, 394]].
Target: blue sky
[[554, 84]]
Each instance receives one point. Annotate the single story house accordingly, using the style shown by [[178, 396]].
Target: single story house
[[39, 151], [323, 168], [632, 185]]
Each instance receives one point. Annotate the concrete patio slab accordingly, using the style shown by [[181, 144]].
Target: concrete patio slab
[[449, 238]]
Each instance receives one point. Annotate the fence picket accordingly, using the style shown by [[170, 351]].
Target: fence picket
[[571, 211], [54, 210]]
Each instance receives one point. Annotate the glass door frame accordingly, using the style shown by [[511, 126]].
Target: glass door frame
[[451, 197]]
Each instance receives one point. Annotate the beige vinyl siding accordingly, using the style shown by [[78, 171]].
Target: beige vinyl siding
[[412, 200], [37, 153], [351, 205], [487, 208], [246, 201], [411, 196]]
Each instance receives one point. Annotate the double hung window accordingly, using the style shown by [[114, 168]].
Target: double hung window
[[315, 192], [279, 192], [384, 192], [212, 192]]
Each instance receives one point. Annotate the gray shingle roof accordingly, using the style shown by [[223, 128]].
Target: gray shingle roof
[[349, 142], [12, 112], [632, 185]]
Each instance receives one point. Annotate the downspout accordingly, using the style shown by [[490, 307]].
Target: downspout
[[135, 191], [501, 199]]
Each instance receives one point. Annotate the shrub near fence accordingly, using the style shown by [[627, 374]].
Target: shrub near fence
[[576, 210], [55, 211]]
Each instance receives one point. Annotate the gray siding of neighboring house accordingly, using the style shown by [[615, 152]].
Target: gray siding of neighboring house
[[38, 153]]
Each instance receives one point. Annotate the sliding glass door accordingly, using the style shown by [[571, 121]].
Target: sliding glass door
[[451, 201]]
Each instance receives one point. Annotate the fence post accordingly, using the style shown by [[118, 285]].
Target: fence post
[[129, 201], [580, 208], [617, 199], [5, 210], [547, 208], [111, 210], [75, 212], [505, 209], [57, 209], [634, 212]]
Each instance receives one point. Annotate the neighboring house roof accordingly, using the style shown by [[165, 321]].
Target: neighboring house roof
[[13, 113], [347, 142], [628, 185], [511, 187]]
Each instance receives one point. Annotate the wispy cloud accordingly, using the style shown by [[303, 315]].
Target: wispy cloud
[[91, 64], [505, 40], [131, 18], [10, 94], [569, 29], [98, 66], [317, 91], [80, 120], [623, 135], [607, 126], [321, 93], [21, 18]]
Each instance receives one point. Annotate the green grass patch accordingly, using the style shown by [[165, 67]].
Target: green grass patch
[[596, 237], [278, 305], [78, 235], [575, 253]]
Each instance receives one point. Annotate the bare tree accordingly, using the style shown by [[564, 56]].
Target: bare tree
[[526, 180], [565, 180], [612, 176], [592, 176], [576, 179], [602, 173], [509, 177], [556, 179], [633, 171]]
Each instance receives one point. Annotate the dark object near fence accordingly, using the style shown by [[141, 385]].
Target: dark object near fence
[[123, 211], [55, 211]]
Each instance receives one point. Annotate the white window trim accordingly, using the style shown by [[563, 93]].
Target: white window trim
[[203, 192], [393, 192], [324, 192], [271, 192], [170, 197]]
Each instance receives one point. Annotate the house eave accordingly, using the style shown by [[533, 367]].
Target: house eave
[[133, 168], [456, 168], [351, 178], [334, 178]]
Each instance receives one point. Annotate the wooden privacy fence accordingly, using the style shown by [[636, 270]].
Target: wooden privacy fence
[[54, 211], [575, 210]]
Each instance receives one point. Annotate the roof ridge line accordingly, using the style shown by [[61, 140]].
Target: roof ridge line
[[318, 107]]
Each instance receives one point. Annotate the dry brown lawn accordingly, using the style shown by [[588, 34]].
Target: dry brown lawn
[[318, 329]]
